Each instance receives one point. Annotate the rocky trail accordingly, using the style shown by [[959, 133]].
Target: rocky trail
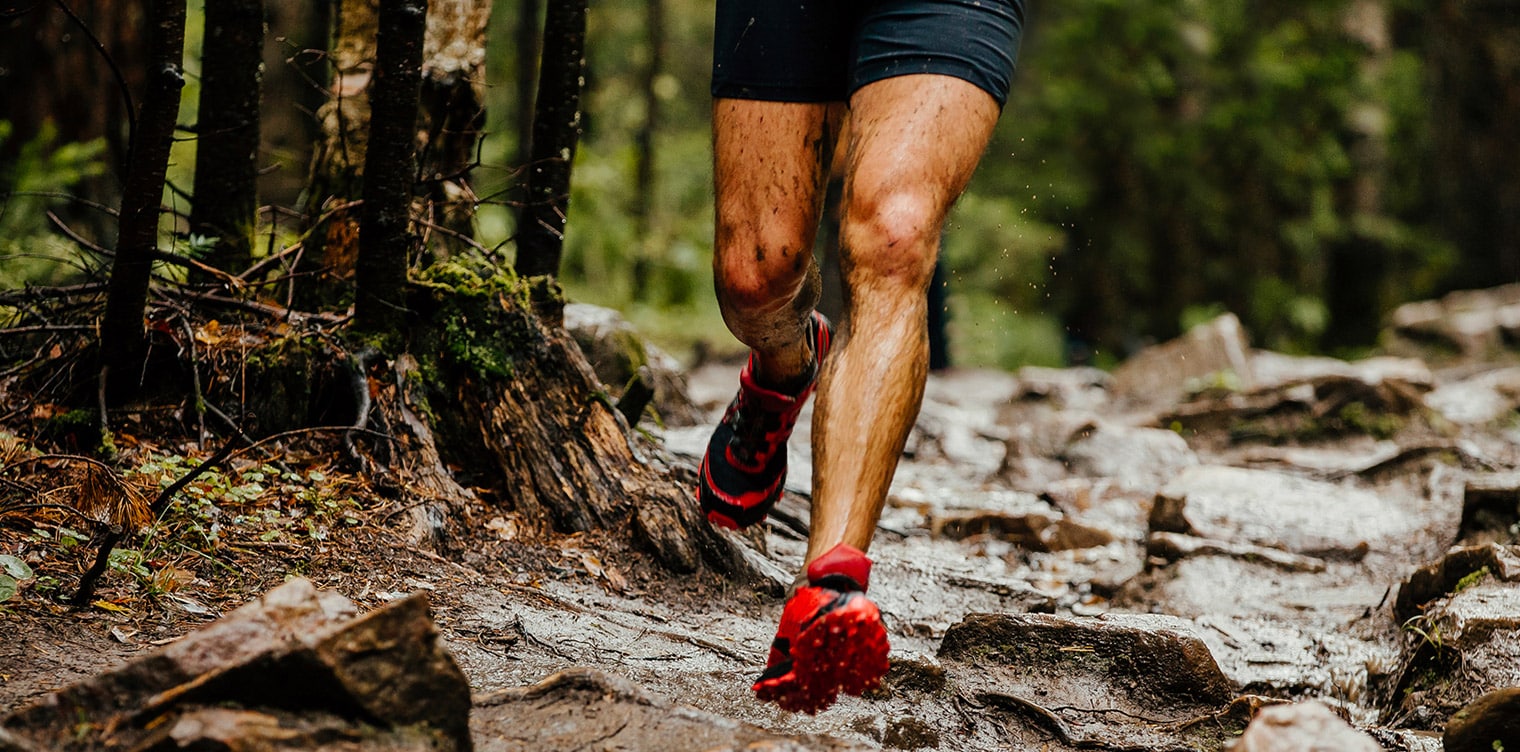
[[1209, 538]]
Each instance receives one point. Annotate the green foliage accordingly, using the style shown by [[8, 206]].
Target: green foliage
[[38, 180], [13, 571], [1216, 137]]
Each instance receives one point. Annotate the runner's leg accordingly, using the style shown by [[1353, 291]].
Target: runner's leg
[[913, 143], [770, 164]]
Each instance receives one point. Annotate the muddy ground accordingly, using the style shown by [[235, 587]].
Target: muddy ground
[[1069, 559]]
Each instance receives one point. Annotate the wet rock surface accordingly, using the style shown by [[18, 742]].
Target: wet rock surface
[[567, 709], [1154, 560]]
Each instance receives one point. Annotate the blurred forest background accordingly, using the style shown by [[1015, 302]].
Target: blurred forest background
[[1306, 165]]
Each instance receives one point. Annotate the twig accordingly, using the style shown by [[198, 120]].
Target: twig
[[40, 328], [237, 429], [78, 239], [156, 509], [198, 398], [13, 297], [268, 309], [314, 429], [65, 507], [360, 383]]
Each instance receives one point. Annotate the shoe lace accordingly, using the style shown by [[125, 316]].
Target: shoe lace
[[754, 429]]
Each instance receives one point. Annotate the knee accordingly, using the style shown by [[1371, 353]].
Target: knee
[[892, 237], [758, 268]]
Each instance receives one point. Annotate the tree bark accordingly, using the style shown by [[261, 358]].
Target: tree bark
[[296, 74], [390, 167], [122, 331], [1358, 263], [529, 44], [330, 249], [556, 130], [1474, 75], [453, 116], [227, 143]]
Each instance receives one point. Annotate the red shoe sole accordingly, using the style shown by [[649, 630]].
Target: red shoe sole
[[844, 651]]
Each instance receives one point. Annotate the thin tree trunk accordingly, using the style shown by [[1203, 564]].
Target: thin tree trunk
[[556, 130], [644, 172], [1357, 264], [296, 74], [325, 268], [453, 116], [122, 331], [390, 167], [529, 43], [227, 147]]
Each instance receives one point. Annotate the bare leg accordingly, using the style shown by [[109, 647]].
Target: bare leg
[[771, 161], [914, 142]]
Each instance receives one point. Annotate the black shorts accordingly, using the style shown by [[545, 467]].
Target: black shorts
[[824, 50]]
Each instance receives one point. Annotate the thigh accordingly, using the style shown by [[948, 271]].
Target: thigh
[[918, 136], [770, 165]]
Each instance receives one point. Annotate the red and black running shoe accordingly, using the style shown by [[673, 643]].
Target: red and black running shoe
[[744, 469], [831, 638]]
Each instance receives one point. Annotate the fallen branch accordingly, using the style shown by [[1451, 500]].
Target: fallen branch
[[103, 558]]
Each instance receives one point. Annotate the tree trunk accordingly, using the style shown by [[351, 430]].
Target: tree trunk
[[227, 143], [1474, 75], [296, 74], [529, 44], [1358, 263], [556, 130], [453, 115], [390, 167], [330, 249], [529, 421], [122, 331], [644, 187]]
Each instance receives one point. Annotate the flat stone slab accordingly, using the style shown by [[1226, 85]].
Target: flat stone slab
[[1275, 510], [1141, 459], [1161, 375], [1116, 682]]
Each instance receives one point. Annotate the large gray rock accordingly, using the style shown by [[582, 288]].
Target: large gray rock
[[1460, 649], [1478, 400], [1462, 566], [1139, 459], [295, 656], [1310, 398], [1305, 727], [617, 353], [1468, 324], [1119, 682], [1295, 514], [1164, 374]]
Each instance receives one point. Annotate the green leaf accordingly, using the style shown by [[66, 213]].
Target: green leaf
[[7, 588], [15, 567]]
